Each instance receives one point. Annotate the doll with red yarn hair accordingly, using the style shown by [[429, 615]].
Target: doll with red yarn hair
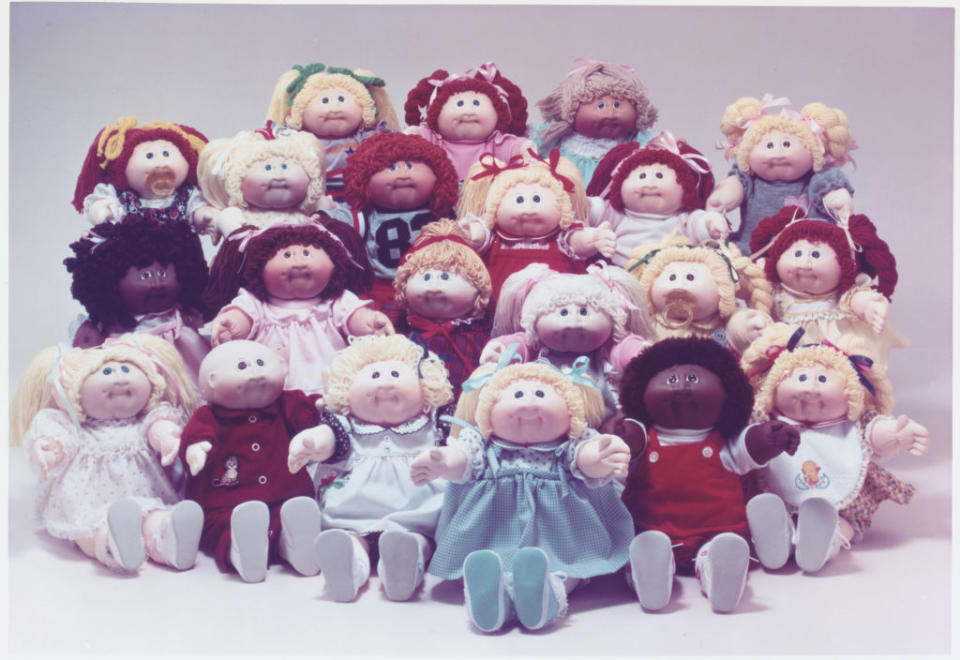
[[469, 114], [833, 280]]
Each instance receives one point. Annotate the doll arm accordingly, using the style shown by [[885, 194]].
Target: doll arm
[[478, 234], [103, 205], [838, 203], [366, 321], [871, 306], [601, 459], [588, 241], [700, 226], [50, 442], [87, 335], [727, 196], [765, 441], [497, 345], [231, 323], [164, 437], [228, 220], [888, 436], [448, 463], [311, 445], [744, 326], [830, 191]]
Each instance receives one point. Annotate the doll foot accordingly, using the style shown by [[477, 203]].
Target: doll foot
[[401, 564], [485, 591], [535, 594], [186, 525], [652, 567], [722, 569], [249, 540], [299, 526], [125, 540], [770, 529], [343, 563], [816, 526]]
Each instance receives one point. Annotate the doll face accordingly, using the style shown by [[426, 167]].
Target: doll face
[[809, 267], [779, 156], [529, 412], [156, 169], [116, 390], [685, 291], [333, 113], [652, 189], [275, 183], [812, 393], [440, 294], [528, 209], [149, 289], [684, 396], [605, 117], [297, 272], [403, 186], [242, 375], [386, 393], [574, 328], [467, 116]]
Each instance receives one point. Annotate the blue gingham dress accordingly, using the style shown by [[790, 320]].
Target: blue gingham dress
[[513, 499]]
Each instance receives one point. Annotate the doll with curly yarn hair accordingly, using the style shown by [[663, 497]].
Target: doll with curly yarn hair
[[596, 107], [140, 276], [342, 107], [100, 425], [823, 278], [840, 401], [469, 114], [782, 159]]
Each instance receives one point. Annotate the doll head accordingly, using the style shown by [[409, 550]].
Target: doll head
[[330, 102], [597, 100], [385, 380], [441, 276], [242, 375], [816, 382], [137, 266], [397, 172], [665, 176], [467, 106], [264, 170], [687, 383], [786, 145], [816, 257], [152, 159]]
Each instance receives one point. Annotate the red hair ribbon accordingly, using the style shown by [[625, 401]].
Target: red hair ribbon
[[430, 240], [490, 167], [773, 352], [568, 184], [266, 131], [860, 364]]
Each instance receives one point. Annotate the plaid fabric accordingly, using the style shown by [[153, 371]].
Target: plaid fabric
[[458, 345]]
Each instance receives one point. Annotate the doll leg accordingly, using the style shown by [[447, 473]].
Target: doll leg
[[771, 529], [721, 568], [652, 566], [539, 594], [344, 563], [249, 540], [816, 528], [172, 536], [299, 526], [485, 590], [403, 556]]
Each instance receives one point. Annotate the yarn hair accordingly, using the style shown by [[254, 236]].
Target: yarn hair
[[511, 113]]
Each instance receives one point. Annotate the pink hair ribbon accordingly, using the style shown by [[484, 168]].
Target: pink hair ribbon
[[768, 102], [488, 72], [582, 63], [665, 140], [600, 271]]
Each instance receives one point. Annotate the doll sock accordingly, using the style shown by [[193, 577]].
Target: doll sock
[[721, 568], [402, 559], [173, 537], [485, 590], [125, 536], [539, 595], [817, 522], [771, 529], [249, 541], [343, 562], [652, 567], [299, 526]]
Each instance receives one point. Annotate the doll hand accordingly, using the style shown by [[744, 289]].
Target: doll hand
[[327, 203], [366, 321], [47, 453], [727, 195], [491, 352], [770, 439], [604, 456], [838, 203], [87, 336], [589, 241], [229, 220], [889, 436], [744, 326], [204, 220], [717, 225], [99, 211], [475, 230], [197, 456], [230, 324], [872, 307], [310, 445], [164, 437], [437, 463]]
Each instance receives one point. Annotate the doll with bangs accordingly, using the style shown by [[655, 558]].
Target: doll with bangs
[[596, 107], [100, 425], [297, 298], [469, 114], [342, 107], [823, 497], [781, 157]]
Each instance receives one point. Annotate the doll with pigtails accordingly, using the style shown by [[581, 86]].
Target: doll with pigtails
[[595, 108], [342, 107], [783, 157], [823, 497], [100, 425]]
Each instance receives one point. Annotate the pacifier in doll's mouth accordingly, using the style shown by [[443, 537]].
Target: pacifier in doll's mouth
[[678, 310], [162, 181]]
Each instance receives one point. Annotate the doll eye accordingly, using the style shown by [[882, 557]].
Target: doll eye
[[241, 365], [601, 105], [802, 378], [444, 275], [287, 254], [409, 165], [268, 167], [673, 379], [426, 277], [643, 175], [460, 103], [519, 199], [283, 166], [341, 99], [107, 371], [476, 102], [306, 252], [395, 374], [786, 144], [770, 145], [536, 199], [149, 155], [690, 277], [162, 274], [564, 311], [518, 394], [166, 154], [798, 254], [673, 277], [616, 104], [375, 375], [659, 175], [822, 378], [693, 378], [325, 99], [124, 368], [815, 254], [259, 362], [583, 311], [539, 394], [145, 275]]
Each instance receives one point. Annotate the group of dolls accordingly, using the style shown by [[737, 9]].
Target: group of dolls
[[520, 358]]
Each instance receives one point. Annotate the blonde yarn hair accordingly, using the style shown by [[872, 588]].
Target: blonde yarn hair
[[365, 350]]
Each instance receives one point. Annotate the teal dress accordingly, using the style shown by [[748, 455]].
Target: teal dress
[[585, 152]]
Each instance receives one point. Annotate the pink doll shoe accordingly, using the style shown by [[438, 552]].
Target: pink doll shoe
[[816, 525], [771, 529], [249, 543], [722, 569], [652, 567], [343, 563], [299, 526], [401, 564], [539, 595], [186, 525], [485, 590], [125, 540]]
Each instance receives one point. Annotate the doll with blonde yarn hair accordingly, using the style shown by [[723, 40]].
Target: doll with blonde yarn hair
[[840, 400], [783, 158], [100, 424]]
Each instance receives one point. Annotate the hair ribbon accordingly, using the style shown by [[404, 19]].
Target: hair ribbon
[[54, 379], [490, 167], [666, 141], [568, 184], [487, 73], [507, 358]]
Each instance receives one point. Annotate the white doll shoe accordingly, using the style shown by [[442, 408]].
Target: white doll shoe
[[299, 526], [721, 567], [249, 540], [771, 530], [181, 541], [539, 595], [401, 564], [343, 562], [652, 568], [485, 590], [816, 526], [125, 538]]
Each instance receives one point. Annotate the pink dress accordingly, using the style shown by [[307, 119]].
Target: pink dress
[[464, 153]]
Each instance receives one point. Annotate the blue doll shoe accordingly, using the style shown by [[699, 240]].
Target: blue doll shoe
[[249, 541], [186, 523], [816, 525], [535, 590], [401, 564], [484, 589], [652, 568], [771, 529], [299, 527], [125, 540]]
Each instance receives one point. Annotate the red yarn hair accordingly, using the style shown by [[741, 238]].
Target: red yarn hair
[[511, 113]]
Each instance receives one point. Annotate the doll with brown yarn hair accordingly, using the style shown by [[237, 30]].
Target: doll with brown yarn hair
[[469, 114]]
